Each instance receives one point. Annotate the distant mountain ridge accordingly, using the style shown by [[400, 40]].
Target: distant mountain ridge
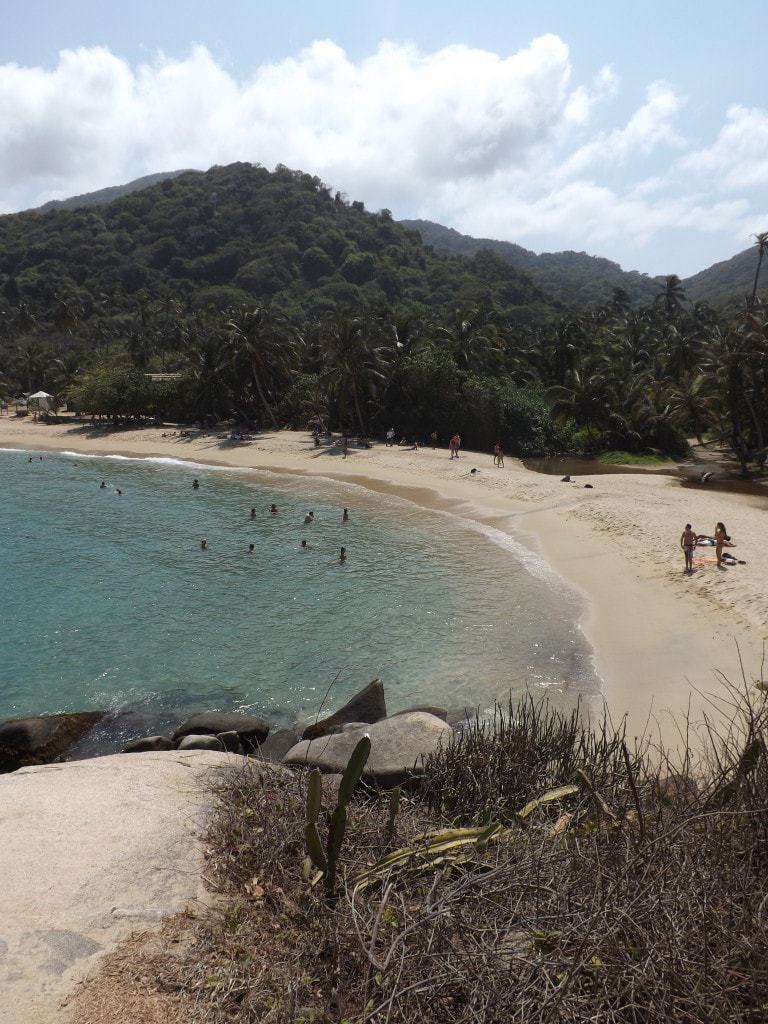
[[572, 278], [104, 196]]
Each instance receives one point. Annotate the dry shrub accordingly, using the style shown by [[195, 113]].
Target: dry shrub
[[633, 900]]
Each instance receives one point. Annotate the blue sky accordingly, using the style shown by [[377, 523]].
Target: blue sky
[[634, 131]]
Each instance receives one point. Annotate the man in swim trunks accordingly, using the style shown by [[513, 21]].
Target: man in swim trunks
[[688, 544]]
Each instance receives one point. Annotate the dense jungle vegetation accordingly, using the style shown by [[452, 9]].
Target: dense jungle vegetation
[[277, 301]]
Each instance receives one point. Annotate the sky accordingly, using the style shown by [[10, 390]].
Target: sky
[[636, 131]]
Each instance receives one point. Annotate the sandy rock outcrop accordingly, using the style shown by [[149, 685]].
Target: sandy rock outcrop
[[90, 851]]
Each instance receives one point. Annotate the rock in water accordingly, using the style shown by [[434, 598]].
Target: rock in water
[[250, 729], [30, 741], [193, 742], [148, 743], [366, 706], [397, 747]]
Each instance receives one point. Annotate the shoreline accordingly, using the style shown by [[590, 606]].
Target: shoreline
[[657, 645]]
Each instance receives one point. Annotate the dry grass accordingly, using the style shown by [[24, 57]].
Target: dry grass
[[629, 901]]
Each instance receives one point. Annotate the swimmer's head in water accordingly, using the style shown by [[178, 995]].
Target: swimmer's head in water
[[251, 547], [303, 543]]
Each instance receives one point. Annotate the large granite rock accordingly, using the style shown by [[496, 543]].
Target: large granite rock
[[430, 709], [366, 706], [277, 744], [148, 743], [91, 851], [31, 741], [251, 730], [397, 747]]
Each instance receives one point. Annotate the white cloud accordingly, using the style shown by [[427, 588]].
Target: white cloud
[[739, 155], [501, 145]]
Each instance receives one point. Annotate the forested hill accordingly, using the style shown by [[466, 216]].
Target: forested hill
[[242, 235], [731, 279], [574, 279]]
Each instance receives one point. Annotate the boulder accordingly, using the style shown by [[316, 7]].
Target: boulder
[[366, 706], [230, 741], [193, 742], [398, 745], [251, 730], [438, 712], [31, 741], [277, 744], [147, 743]]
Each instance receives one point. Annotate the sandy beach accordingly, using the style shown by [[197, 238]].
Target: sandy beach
[[660, 638]]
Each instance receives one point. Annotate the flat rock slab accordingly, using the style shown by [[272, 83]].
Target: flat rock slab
[[89, 852], [397, 746]]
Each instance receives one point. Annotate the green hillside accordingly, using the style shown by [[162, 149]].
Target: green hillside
[[730, 280], [574, 279], [238, 235]]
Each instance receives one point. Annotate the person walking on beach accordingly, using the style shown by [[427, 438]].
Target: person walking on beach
[[390, 437], [433, 439], [688, 544], [499, 455], [454, 444]]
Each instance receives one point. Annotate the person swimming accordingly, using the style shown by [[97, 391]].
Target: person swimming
[[195, 484], [345, 516], [253, 513], [203, 544], [118, 491], [102, 485], [304, 546], [309, 518], [272, 509], [343, 555], [251, 548]]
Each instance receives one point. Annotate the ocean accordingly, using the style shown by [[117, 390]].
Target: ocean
[[110, 603]]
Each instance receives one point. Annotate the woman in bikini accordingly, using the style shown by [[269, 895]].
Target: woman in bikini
[[721, 539]]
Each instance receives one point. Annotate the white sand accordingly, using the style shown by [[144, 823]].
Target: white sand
[[660, 637]]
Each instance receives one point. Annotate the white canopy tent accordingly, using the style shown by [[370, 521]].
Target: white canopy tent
[[41, 399]]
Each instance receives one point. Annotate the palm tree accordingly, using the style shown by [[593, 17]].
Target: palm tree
[[584, 396], [689, 406], [264, 343], [472, 337], [672, 296], [354, 366], [761, 241]]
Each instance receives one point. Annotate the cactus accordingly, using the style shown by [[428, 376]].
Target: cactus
[[327, 860]]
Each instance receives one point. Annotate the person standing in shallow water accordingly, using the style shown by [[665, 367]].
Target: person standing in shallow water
[[688, 544], [195, 484], [345, 516], [272, 510], [343, 555], [203, 544]]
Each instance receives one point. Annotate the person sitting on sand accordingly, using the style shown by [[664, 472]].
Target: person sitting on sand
[[195, 484], [721, 539], [345, 516], [309, 518], [273, 509], [203, 544], [688, 544], [343, 555]]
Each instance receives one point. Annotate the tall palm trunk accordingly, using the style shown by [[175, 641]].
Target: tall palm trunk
[[358, 411], [263, 398], [757, 277]]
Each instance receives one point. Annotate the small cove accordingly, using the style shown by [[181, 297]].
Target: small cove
[[113, 605]]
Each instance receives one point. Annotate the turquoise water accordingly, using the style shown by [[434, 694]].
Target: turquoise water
[[109, 602]]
